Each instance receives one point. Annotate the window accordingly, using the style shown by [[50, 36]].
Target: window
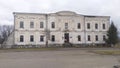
[[31, 24], [96, 37], [103, 26], [79, 26], [104, 38], [41, 25], [66, 25], [53, 38], [88, 25], [53, 25], [41, 38], [96, 26], [21, 24], [21, 38], [89, 38], [79, 38], [31, 38]]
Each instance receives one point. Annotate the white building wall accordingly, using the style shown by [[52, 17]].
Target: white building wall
[[60, 18]]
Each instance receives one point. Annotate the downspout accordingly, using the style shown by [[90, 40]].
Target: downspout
[[84, 31], [46, 30]]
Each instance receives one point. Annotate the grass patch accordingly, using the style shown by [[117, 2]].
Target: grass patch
[[108, 52]]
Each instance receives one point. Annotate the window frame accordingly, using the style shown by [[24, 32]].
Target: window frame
[[41, 24], [103, 26], [31, 38], [52, 25], [96, 38], [31, 24], [96, 26], [104, 37], [53, 38], [88, 25], [89, 38], [66, 25], [79, 26], [21, 38], [79, 37], [41, 38], [21, 24]]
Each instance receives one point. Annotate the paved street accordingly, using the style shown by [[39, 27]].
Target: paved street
[[62, 58]]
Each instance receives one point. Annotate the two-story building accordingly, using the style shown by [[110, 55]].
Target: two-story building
[[38, 29]]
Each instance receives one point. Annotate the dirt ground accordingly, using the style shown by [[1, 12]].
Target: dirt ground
[[61, 58]]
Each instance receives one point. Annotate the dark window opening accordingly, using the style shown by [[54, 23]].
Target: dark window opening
[[96, 26], [79, 38], [104, 37], [41, 38], [53, 38], [89, 39], [31, 38], [88, 25], [79, 26], [21, 38], [96, 37], [53, 25], [103, 26]]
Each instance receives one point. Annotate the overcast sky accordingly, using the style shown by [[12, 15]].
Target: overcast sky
[[87, 7]]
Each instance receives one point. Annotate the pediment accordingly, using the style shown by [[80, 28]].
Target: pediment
[[66, 13]]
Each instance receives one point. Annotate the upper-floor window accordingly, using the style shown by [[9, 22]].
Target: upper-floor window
[[41, 25], [79, 38], [31, 24], [66, 25], [53, 24], [21, 24], [104, 37], [96, 26], [31, 38], [53, 38], [103, 26], [78, 26], [41, 38], [96, 37], [21, 38], [88, 25], [89, 39]]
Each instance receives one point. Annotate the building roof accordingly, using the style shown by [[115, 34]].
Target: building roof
[[59, 13]]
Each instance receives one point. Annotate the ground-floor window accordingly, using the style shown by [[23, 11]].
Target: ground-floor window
[[41, 38], [89, 39], [53, 38], [79, 38], [31, 38], [96, 37], [104, 37], [21, 38]]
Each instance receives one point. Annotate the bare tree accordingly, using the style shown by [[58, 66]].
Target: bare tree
[[5, 31]]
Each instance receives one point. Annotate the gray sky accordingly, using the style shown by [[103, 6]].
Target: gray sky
[[87, 7]]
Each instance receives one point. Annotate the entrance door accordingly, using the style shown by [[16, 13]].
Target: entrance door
[[66, 36]]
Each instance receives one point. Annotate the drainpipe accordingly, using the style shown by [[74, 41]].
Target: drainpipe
[[84, 31], [46, 30]]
